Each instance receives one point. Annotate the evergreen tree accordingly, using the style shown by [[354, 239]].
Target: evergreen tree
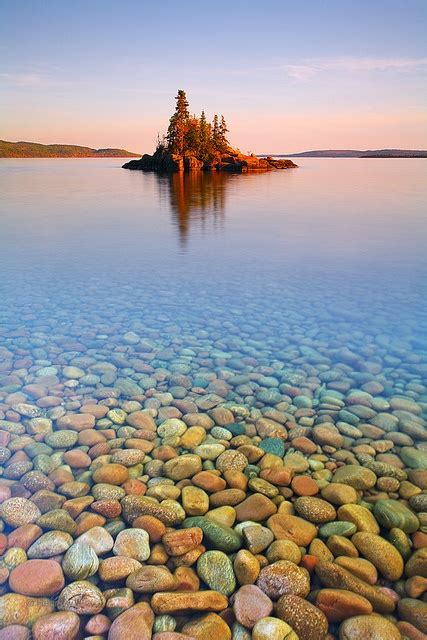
[[216, 138], [178, 125], [204, 137], [192, 136], [223, 133]]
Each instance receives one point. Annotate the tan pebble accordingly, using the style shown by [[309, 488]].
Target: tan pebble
[[187, 601], [284, 550], [207, 627], [179, 542], [230, 497], [374, 627], [187, 578], [359, 516], [195, 501], [341, 546], [273, 629], [293, 528], [308, 622], [359, 567], [246, 567], [223, 515], [383, 555], [340, 604], [208, 481], [256, 508]]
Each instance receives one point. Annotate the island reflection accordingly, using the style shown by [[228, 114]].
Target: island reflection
[[197, 196]]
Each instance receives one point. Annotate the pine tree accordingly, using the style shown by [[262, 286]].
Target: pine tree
[[216, 138], [178, 125], [192, 136], [204, 137], [223, 133]]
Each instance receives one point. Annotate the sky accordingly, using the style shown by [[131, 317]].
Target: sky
[[288, 76]]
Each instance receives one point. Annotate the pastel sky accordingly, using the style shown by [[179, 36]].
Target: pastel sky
[[289, 76]]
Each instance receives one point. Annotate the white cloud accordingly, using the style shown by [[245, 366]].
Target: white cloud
[[309, 67]]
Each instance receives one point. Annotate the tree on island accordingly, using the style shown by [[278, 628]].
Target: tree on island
[[189, 135]]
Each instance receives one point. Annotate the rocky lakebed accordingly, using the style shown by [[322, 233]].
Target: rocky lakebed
[[141, 497]]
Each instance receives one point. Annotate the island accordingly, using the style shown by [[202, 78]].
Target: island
[[37, 150], [193, 143]]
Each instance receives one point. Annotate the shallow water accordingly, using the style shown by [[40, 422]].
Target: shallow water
[[331, 255], [296, 296]]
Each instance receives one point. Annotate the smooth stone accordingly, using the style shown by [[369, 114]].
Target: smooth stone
[[361, 517], [415, 612], [152, 579], [273, 445], [50, 544], [337, 528], [16, 609], [216, 570], [340, 604], [315, 509], [284, 577], [273, 629], [250, 605], [308, 622], [133, 543], [37, 578], [256, 507], [80, 562], [335, 577], [414, 458], [61, 625], [373, 626], [135, 622], [383, 555], [205, 627], [358, 477], [188, 601], [221, 537], [19, 511], [97, 538], [393, 514], [289, 527], [82, 597]]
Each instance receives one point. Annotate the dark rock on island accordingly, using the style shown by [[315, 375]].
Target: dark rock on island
[[194, 144], [166, 162]]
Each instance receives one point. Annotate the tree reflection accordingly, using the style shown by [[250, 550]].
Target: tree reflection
[[196, 197]]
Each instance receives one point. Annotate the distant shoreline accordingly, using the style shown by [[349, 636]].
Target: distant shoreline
[[37, 150], [352, 153]]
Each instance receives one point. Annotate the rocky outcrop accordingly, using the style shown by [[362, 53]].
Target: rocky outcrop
[[162, 161]]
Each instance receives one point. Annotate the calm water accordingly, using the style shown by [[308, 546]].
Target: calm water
[[319, 271]]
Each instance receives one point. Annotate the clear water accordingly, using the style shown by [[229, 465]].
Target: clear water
[[317, 275]]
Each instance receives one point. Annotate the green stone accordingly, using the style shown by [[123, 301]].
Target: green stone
[[401, 541], [393, 514], [236, 428], [414, 458], [273, 445], [80, 562], [216, 570], [218, 535], [337, 528]]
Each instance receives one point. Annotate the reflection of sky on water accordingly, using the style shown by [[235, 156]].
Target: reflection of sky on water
[[334, 248]]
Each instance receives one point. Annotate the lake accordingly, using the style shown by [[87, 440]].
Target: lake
[[283, 305]]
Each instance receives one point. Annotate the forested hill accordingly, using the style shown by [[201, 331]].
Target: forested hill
[[355, 153], [36, 150]]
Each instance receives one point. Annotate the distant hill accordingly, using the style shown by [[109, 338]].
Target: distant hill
[[36, 150], [355, 153]]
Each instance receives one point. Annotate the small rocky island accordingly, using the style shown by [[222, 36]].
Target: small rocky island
[[193, 143]]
